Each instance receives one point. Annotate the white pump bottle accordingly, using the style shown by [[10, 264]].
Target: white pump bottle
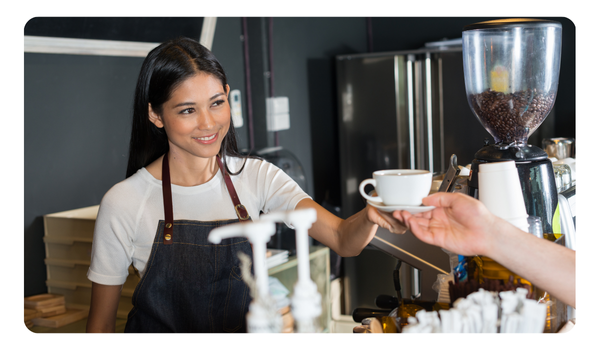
[[263, 316], [306, 301]]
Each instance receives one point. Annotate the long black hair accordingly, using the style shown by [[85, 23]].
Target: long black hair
[[163, 70]]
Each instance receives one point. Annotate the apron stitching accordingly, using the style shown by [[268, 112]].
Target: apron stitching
[[208, 245], [203, 225]]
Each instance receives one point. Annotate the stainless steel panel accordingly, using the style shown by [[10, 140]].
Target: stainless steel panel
[[368, 125], [429, 260]]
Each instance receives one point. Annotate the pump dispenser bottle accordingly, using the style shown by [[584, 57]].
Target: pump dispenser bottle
[[306, 301], [263, 316]]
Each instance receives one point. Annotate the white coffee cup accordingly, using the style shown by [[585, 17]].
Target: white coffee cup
[[398, 187], [500, 191]]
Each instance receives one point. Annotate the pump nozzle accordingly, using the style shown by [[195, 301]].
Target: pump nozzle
[[258, 233]]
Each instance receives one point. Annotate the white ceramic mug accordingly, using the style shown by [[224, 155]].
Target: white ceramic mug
[[398, 187]]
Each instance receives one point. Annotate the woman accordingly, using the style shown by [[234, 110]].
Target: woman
[[185, 177]]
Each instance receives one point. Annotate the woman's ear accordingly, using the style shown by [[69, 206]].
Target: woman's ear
[[227, 90], [154, 118]]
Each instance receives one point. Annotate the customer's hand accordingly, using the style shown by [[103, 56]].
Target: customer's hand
[[459, 223], [463, 225]]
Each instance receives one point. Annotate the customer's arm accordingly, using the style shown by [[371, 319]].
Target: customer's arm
[[463, 225]]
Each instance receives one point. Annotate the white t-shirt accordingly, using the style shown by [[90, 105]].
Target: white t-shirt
[[130, 211]]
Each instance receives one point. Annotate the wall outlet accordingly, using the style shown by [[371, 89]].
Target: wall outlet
[[235, 101], [278, 113]]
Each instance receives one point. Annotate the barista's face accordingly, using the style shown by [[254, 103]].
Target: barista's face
[[197, 116]]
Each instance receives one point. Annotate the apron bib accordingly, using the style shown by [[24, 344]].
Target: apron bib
[[190, 284]]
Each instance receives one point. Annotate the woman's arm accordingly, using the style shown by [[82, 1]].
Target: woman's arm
[[349, 237], [103, 308]]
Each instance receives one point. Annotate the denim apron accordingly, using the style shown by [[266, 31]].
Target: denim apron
[[190, 284]]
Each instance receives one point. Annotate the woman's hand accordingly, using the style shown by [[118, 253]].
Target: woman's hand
[[388, 221], [459, 223], [349, 237]]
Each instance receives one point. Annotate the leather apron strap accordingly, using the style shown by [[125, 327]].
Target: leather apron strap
[[240, 210], [167, 200]]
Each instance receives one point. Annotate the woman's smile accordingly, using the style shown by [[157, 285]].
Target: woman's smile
[[206, 139]]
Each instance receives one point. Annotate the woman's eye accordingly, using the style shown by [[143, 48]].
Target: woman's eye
[[218, 103], [187, 111]]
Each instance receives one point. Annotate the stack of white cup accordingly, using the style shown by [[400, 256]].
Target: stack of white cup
[[500, 191]]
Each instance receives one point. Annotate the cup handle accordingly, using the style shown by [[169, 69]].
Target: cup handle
[[361, 189]]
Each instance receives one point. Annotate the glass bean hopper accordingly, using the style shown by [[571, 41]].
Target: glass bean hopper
[[511, 70]]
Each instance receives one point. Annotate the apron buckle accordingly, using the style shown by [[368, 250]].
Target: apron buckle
[[244, 213]]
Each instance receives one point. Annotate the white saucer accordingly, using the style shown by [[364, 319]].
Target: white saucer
[[413, 209]]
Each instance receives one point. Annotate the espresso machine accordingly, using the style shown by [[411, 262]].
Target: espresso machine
[[511, 70]]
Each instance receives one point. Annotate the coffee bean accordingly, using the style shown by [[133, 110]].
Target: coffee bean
[[511, 117]]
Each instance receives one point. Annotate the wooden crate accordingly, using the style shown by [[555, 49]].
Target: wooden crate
[[68, 234], [68, 241], [76, 271], [71, 223], [71, 248], [43, 306], [30, 314], [43, 301], [69, 316]]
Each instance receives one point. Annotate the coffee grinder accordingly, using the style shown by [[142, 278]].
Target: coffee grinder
[[511, 72]]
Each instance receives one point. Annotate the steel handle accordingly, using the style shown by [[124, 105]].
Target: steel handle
[[411, 110], [429, 110]]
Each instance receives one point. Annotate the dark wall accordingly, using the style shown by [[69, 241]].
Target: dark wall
[[304, 51], [78, 108], [76, 138]]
